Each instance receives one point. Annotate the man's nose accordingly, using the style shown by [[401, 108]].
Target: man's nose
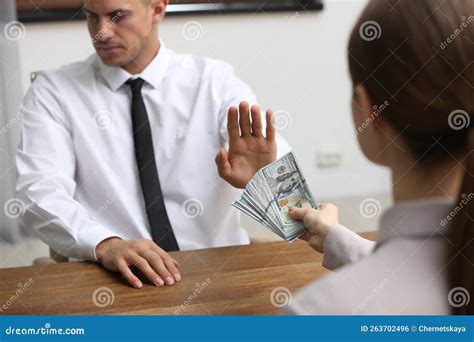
[[105, 30]]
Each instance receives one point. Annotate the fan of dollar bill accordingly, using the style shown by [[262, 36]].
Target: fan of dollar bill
[[272, 191]]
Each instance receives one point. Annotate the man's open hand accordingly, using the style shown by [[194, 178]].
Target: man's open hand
[[249, 149]]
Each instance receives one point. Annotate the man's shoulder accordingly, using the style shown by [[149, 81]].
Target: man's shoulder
[[68, 74], [201, 65]]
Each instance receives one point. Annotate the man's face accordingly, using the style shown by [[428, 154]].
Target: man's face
[[120, 30]]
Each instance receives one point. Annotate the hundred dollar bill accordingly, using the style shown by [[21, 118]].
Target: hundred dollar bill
[[272, 191], [288, 186]]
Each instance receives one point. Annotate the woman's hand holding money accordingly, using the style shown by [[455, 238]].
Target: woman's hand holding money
[[318, 223]]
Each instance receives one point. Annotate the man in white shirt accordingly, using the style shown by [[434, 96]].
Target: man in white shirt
[[97, 133]]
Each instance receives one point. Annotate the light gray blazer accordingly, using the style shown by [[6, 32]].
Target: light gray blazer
[[402, 274]]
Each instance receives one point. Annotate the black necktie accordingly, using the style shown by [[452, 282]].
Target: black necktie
[[161, 230]]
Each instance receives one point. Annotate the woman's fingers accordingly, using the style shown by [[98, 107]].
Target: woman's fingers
[[306, 236], [298, 213], [322, 206]]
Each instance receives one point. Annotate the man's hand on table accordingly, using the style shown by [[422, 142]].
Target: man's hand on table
[[157, 265]]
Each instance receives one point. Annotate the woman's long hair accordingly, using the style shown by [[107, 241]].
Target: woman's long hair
[[419, 56]]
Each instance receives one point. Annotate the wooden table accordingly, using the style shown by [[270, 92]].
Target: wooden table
[[218, 281]]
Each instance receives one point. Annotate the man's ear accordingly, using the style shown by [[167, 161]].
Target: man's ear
[[159, 8]]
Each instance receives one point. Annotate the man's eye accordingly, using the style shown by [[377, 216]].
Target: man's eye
[[91, 17], [117, 17]]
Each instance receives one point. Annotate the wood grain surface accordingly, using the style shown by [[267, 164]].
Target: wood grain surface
[[218, 281]]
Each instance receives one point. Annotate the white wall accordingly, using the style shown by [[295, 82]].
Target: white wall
[[295, 62]]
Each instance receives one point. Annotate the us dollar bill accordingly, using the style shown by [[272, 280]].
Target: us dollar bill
[[288, 186], [272, 191]]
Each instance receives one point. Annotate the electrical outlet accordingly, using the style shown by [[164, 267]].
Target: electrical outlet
[[328, 157]]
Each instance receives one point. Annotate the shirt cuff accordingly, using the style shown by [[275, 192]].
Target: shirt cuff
[[89, 237], [343, 246]]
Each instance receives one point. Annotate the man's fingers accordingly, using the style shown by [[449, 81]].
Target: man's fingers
[[244, 119], [222, 162], [128, 275], [159, 267], [144, 267], [164, 254], [233, 124], [297, 213], [170, 265], [271, 130], [256, 122]]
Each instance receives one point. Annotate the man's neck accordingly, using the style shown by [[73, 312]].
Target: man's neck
[[143, 60]]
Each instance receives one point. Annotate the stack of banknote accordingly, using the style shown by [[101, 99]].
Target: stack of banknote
[[272, 191]]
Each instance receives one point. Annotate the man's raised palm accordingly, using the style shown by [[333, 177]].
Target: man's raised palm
[[249, 149]]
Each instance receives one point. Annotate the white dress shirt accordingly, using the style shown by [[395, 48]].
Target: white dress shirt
[[403, 275], [77, 172]]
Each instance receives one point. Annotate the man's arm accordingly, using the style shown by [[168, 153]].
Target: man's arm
[[45, 183]]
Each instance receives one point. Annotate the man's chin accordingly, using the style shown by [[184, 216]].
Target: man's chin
[[111, 61]]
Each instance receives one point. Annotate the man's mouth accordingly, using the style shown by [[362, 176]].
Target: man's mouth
[[108, 49]]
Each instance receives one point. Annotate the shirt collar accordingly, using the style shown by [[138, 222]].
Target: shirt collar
[[416, 218], [115, 77]]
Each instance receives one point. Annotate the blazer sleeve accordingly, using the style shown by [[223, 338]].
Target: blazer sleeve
[[342, 246]]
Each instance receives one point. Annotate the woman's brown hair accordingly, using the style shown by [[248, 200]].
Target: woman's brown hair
[[417, 58]]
